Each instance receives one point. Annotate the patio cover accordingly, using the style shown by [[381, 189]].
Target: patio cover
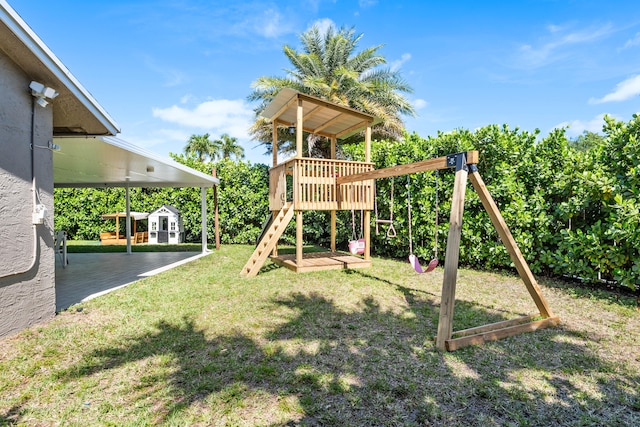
[[107, 161]]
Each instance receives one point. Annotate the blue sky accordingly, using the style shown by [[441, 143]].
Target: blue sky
[[167, 69]]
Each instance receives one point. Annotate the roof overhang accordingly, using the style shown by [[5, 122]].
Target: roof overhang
[[75, 111], [106, 161], [320, 117]]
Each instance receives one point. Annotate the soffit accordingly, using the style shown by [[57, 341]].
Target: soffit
[[106, 161]]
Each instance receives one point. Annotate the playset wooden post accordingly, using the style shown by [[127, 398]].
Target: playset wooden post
[[332, 244], [448, 297]]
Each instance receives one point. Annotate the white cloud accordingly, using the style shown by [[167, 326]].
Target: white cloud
[[538, 56], [216, 116], [271, 24], [624, 90], [419, 103], [266, 22], [367, 3], [554, 28], [395, 65], [632, 42], [172, 77], [323, 24], [577, 127]]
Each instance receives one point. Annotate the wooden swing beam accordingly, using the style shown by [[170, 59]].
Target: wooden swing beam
[[421, 166], [465, 164]]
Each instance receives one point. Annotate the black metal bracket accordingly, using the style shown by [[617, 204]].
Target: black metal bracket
[[473, 168], [457, 160]]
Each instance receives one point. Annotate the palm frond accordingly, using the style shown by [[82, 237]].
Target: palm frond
[[329, 66]]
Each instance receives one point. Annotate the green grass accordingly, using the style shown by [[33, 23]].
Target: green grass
[[199, 345]]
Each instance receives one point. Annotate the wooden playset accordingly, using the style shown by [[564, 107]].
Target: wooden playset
[[331, 184]]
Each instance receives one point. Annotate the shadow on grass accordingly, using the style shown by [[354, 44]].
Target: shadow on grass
[[465, 319], [372, 366], [623, 297]]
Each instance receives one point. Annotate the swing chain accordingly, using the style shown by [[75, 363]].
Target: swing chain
[[391, 230], [409, 213], [353, 218], [435, 246]]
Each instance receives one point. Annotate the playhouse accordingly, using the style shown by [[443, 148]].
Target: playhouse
[[165, 225]]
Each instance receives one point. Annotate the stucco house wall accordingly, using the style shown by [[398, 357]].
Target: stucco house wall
[[27, 277]]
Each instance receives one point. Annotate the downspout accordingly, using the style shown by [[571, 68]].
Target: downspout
[[34, 255]]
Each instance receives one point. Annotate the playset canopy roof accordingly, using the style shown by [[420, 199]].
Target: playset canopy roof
[[321, 117]]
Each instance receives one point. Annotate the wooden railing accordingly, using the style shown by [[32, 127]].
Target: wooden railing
[[314, 185]]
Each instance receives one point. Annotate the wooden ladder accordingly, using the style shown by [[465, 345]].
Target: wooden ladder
[[269, 241]]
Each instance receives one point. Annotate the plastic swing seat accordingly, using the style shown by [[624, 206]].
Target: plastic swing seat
[[356, 247], [415, 263]]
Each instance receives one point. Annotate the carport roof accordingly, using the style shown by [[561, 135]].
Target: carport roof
[[106, 161]]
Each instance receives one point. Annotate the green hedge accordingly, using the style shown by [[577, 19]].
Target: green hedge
[[573, 212]]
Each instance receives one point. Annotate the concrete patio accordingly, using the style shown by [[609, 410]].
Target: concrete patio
[[89, 275]]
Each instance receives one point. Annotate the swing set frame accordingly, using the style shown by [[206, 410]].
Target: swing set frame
[[466, 169]]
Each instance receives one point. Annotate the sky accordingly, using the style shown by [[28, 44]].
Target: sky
[[168, 69]]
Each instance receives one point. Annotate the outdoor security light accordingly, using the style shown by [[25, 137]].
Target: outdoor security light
[[42, 93], [292, 129]]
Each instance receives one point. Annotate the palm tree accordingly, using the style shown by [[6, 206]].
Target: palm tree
[[202, 147], [329, 67], [229, 146]]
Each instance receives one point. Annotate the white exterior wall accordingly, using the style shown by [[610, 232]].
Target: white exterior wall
[[27, 283]]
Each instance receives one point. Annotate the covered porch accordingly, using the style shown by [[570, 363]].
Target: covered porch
[[123, 164], [88, 275]]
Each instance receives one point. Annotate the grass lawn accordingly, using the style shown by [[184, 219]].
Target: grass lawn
[[199, 345]]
